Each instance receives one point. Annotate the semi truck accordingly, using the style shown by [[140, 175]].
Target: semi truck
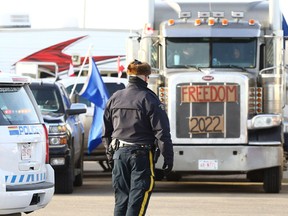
[[218, 67]]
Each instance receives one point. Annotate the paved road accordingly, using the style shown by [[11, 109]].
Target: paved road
[[192, 196]]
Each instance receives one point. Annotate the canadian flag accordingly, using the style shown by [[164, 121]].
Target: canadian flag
[[120, 67], [71, 71]]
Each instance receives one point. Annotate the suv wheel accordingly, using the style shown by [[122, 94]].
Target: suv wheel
[[64, 179], [79, 177]]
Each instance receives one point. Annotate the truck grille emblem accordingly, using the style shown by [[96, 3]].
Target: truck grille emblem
[[208, 78]]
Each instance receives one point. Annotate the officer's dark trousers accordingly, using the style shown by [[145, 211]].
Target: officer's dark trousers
[[133, 180]]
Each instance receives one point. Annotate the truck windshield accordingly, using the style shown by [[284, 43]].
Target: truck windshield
[[211, 52]]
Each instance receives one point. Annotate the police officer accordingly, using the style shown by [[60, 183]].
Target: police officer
[[133, 119]]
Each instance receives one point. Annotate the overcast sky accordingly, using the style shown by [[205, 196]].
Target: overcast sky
[[116, 14]]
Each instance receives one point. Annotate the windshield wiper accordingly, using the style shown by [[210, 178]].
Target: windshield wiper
[[193, 66], [186, 66], [231, 66]]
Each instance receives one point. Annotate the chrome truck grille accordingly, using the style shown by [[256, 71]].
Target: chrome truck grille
[[208, 110]]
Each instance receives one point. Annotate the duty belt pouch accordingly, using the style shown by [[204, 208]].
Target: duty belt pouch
[[115, 144]]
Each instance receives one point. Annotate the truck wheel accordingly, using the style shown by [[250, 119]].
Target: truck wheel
[[255, 176], [159, 174], [79, 177], [272, 179], [173, 176], [64, 179]]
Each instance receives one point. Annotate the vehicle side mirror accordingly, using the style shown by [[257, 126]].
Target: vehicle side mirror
[[77, 108]]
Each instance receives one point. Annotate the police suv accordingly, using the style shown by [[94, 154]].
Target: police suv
[[26, 177]]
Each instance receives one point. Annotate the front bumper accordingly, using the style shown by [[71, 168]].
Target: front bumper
[[59, 157], [232, 158], [29, 199]]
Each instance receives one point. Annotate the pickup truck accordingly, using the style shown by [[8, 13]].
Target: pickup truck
[[65, 132]]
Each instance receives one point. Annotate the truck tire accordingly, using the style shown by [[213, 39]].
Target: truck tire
[[159, 175], [64, 179], [79, 177], [173, 176], [80, 167], [272, 180], [256, 176]]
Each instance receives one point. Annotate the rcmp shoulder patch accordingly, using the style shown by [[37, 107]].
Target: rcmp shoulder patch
[[162, 106]]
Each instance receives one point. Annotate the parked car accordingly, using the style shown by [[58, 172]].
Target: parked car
[[113, 84], [26, 177], [65, 131]]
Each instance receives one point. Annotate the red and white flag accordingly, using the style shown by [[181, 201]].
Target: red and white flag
[[120, 67], [71, 71]]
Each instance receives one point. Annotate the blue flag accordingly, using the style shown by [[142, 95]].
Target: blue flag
[[285, 27], [95, 91]]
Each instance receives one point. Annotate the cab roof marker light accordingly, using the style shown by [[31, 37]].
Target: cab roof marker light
[[251, 22], [171, 22], [197, 22], [225, 22], [211, 21]]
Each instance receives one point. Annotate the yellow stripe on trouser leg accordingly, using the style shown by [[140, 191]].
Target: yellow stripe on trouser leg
[[146, 196]]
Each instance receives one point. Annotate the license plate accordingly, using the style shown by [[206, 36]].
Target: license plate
[[208, 164], [26, 151], [206, 124]]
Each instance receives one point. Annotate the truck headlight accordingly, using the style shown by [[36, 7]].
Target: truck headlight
[[58, 140], [264, 121], [57, 134], [54, 129]]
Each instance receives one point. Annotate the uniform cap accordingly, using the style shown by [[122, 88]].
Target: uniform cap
[[139, 68]]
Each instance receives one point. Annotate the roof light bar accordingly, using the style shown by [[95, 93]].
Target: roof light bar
[[218, 14], [237, 14], [184, 15], [203, 14]]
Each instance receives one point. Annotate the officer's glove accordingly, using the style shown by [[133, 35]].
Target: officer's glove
[[167, 168]]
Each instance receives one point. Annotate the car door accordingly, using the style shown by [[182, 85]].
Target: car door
[[75, 124]]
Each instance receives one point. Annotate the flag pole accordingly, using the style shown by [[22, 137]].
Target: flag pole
[[80, 72]]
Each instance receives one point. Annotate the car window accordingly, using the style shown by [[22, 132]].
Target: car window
[[47, 99], [16, 107], [77, 90]]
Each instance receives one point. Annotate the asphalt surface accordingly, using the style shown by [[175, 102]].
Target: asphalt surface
[[199, 196]]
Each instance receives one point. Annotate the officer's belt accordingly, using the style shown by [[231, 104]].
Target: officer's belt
[[128, 144]]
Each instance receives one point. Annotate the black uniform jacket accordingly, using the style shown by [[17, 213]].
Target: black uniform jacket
[[136, 115]]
